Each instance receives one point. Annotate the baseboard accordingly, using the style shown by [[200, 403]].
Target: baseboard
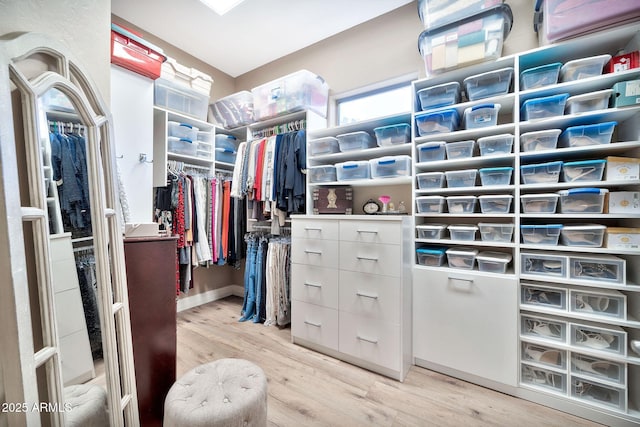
[[213, 295]]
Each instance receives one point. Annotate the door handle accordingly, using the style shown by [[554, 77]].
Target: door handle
[[362, 294], [372, 341], [317, 325]]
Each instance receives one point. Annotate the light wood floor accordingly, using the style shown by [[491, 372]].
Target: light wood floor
[[310, 389]]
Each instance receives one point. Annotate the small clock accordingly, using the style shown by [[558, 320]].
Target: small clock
[[371, 207]]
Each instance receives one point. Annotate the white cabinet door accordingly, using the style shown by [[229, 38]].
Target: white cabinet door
[[467, 322]]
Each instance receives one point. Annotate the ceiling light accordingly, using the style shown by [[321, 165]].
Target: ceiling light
[[221, 6]]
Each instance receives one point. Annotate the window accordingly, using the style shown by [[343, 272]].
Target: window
[[380, 102]]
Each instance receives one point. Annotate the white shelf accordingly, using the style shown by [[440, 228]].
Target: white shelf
[[377, 182], [475, 272], [580, 249], [466, 243], [469, 215], [557, 216], [629, 287], [630, 322], [369, 153], [468, 163], [461, 135], [565, 185], [501, 189]]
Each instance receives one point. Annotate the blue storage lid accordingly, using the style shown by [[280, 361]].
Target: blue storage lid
[[573, 191], [186, 140], [561, 97], [431, 250], [542, 68], [481, 106], [541, 226], [502, 169], [557, 163], [448, 113], [601, 127], [386, 161], [585, 163], [398, 126], [431, 146]]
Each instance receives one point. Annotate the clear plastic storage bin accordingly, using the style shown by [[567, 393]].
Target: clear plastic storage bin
[[461, 204], [583, 68], [204, 136], [465, 232], [430, 204], [543, 264], [182, 130], [582, 200], [390, 166], [593, 392], [431, 151], [541, 108], [461, 257], [543, 296], [495, 145], [494, 232], [583, 235], [495, 203], [234, 110], [491, 83], [392, 134], [180, 98], [439, 95], [539, 203], [433, 257], [460, 149], [612, 339], [493, 262], [544, 328], [325, 173], [601, 268], [461, 178], [328, 145], [433, 14], [546, 234], [353, 170], [541, 173], [584, 135], [183, 146], [481, 116], [225, 148], [495, 176], [543, 378], [355, 141], [430, 180], [587, 170], [443, 121], [536, 77], [543, 355], [591, 101], [540, 140], [431, 231], [597, 368], [606, 303]]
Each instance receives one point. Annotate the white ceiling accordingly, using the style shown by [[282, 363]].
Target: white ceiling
[[254, 33]]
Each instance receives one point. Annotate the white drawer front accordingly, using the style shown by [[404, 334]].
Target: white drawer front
[[64, 275], [371, 258], [326, 229], [69, 312], [314, 323], [76, 359], [323, 253], [371, 340], [371, 232], [316, 285], [370, 295]]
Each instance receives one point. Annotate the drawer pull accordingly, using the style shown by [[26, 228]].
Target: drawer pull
[[362, 294], [367, 339], [317, 325], [461, 278], [367, 258], [313, 228], [309, 251], [368, 231], [313, 285]]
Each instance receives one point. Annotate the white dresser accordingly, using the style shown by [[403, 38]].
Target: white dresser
[[350, 289]]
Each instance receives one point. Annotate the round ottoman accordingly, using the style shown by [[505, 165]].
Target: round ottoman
[[225, 393], [88, 406]]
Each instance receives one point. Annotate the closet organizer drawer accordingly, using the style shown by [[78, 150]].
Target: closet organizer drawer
[[370, 295], [373, 341], [370, 258], [371, 232], [316, 229], [323, 253], [315, 324], [315, 285]]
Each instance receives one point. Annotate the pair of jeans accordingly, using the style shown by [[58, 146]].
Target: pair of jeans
[[249, 304]]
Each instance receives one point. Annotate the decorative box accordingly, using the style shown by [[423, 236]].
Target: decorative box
[[333, 200]]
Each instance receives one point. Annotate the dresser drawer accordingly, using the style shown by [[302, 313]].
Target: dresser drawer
[[371, 258], [323, 253], [315, 324], [371, 340], [370, 295], [326, 229], [316, 285], [371, 231]]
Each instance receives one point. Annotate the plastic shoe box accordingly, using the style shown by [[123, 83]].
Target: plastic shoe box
[[429, 180], [433, 13], [181, 99], [439, 95], [543, 264], [392, 134], [461, 204], [593, 392], [588, 170], [543, 355], [493, 262], [494, 232], [431, 256], [495, 203], [184, 146], [461, 178], [431, 231], [547, 234], [584, 135], [606, 303], [582, 200], [545, 328], [325, 173], [543, 296], [491, 83], [328, 145], [536, 77], [583, 68], [586, 102], [547, 173], [225, 155], [460, 149], [204, 137], [612, 339], [481, 116], [353, 170], [355, 141], [461, 257], [546, 106], [443, 121], [227, 142], [466, 232], [182, 130], [539, 140], [495, 145], [603, 268], [204, 150], [535, 376], [390, 166], [234, 110], [302, 90], [431, 151], [495, 176], [596, 368], [539, 203], [472, 40], [430, 204], [583, 235]]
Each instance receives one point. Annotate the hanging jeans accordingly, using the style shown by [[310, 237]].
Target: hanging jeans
[[260, 282], [249, 304]]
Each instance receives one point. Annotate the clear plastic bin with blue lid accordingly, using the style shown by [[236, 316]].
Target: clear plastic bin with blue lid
[[541, 173], [495, 176], [182, 130], [439, 95], [543, 75], [583, 235], [390, 166], [353, 170], [585, 135], [488, 84], [431, 151], [495, 145], [441, 121], [544, 107], [481, 116], [582, 200], [592, 101], [392, 134], [225, 148], [583, 68], [355, 141], [431, 255], [540, 140], [540, 234], [585, 170], [183, 146]]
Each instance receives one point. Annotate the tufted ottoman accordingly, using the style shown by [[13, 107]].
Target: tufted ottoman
[[88, 406], [225, 393]]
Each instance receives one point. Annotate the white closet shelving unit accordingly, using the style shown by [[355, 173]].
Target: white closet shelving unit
[[479, 326]]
